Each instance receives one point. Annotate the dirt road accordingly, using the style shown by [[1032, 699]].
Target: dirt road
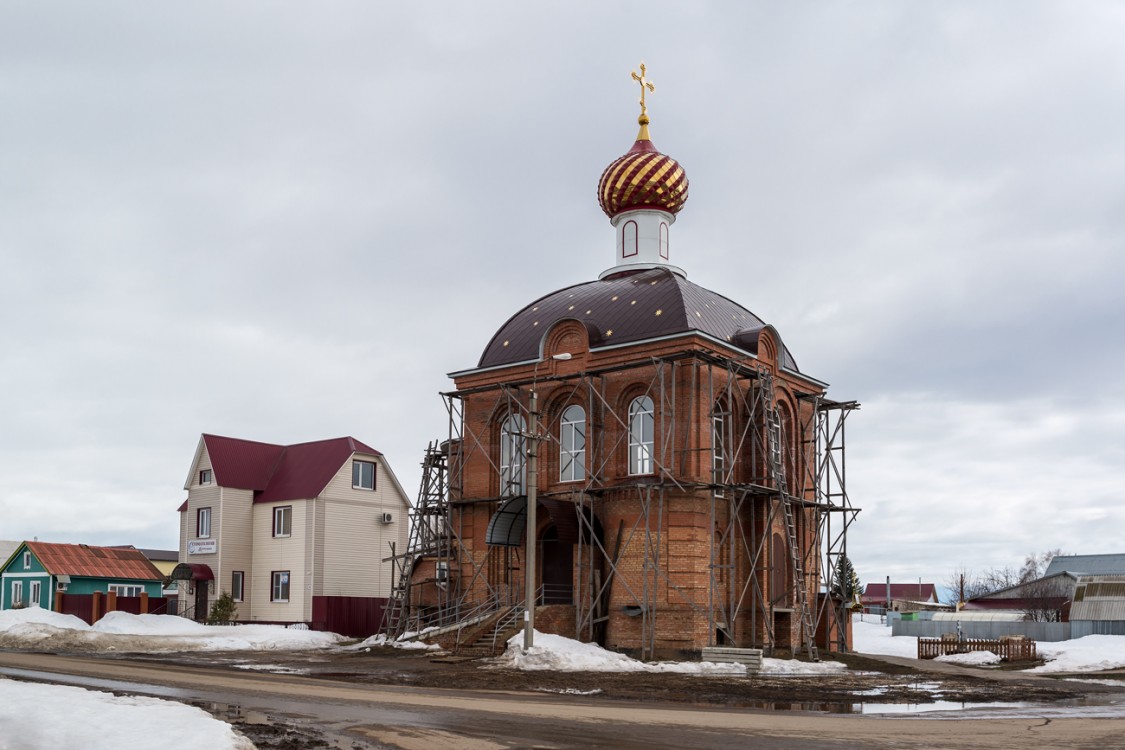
[[354, 716]]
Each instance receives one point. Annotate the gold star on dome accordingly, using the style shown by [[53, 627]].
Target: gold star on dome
[[609, 333]]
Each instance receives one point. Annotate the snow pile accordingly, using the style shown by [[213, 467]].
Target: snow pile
[[103, 721], [869, 636], [559, 654], [1093, 653], [971, 659], [380, 640], [122, 632]]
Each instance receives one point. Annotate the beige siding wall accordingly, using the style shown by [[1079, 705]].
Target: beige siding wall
[[354, 539], [277, 554], [235, 546]]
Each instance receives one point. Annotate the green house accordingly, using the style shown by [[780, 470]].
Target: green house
[[36, 570]]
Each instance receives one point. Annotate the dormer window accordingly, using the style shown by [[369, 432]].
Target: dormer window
[[205, 476], [363, 475]]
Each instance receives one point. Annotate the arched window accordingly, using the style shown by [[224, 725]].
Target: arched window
[[641, 431], [663, 240], [722, 443], [628, 239], [513, 457], [572, 444]]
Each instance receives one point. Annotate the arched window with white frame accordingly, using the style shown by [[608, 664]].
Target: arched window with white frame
[[663, 240], [642, 428], [513, 456], [572, 444]]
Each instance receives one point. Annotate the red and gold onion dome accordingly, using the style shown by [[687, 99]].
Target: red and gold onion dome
[[643, 178]]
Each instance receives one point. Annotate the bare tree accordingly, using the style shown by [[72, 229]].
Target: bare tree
[[964, 585], [1045, 598]]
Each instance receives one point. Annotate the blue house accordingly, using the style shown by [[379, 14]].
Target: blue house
[[36, 570]]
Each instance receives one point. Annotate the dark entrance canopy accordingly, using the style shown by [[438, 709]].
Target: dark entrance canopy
[[508, 524], [192, 572]]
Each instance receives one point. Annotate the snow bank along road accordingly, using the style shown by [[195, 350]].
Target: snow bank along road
[[410, 718]]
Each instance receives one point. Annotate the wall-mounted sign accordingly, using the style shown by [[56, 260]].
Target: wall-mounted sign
[[203, 547]]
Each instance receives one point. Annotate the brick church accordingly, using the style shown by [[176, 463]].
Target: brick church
[[683, 463]]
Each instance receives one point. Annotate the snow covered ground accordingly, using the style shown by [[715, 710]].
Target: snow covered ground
[[556, 653], [125, 633], [30, 723], [1094, 653]]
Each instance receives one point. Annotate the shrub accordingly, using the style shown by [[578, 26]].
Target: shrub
[[223, 610]]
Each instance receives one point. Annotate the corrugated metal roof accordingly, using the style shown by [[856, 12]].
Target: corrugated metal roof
[[95, 562], [1087, 564], [279, 472], [1099, 598]]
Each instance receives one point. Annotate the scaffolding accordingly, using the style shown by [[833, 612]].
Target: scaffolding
[[771, 467]]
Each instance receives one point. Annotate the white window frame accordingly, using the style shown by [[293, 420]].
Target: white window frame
[[283, 521], [26, 560], [721, 438], [126, 589], [359, 480], [642, 436], [572, 444], [237, 585], [17, 594], [203, 528], [35, 593], [279, 585], [513, 456], [206, 476]]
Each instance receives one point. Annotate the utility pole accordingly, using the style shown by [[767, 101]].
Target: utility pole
[[529, 535]]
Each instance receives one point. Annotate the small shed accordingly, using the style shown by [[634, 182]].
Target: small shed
[[1099, 606]]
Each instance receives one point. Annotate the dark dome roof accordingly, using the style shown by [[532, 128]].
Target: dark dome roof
[[627, 308]]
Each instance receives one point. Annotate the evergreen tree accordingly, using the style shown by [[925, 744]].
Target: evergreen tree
[[223, 610], [847, 584]]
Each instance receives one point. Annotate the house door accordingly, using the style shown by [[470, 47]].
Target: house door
[[200, 601], [558, 568]]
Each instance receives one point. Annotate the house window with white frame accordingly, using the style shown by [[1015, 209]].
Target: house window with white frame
[[126, 589], [363, 475], [203, 523], [279, 586], [237, 585], [205, 476], [642, 425], [17, 594], [283, 521], [27, 561], [36, 595], [572, 444]]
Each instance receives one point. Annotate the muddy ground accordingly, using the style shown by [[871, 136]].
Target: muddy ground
[[868, 682]]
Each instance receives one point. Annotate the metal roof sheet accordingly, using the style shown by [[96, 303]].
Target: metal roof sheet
[[1087, 564], [279, 472], [95, 562]]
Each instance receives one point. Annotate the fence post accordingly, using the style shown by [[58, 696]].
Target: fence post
[[110, 603], [58, 600], [144, 602], [96, 606]]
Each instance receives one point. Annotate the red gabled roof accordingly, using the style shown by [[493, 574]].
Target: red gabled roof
[[279, 472], [911, 592], [94, 562]]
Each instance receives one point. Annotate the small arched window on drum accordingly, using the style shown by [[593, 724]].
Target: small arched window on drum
[[628, 239]]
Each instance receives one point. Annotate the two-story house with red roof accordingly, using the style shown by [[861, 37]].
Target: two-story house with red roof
[[280, 527]]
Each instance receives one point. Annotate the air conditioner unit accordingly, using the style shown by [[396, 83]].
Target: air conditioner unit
[[387, 518]]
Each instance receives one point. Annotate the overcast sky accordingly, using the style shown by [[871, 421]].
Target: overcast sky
[[288, 222]]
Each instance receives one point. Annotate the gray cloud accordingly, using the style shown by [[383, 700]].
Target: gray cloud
[[289, 224]]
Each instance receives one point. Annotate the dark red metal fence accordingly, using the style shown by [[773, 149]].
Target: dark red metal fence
[[82, 605], [353, 616], [79, 605]]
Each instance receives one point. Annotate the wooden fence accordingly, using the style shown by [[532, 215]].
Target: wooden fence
[[1008, 649], [353, 616], [92, 607]]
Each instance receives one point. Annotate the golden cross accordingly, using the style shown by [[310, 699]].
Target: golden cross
[[644, 83]]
